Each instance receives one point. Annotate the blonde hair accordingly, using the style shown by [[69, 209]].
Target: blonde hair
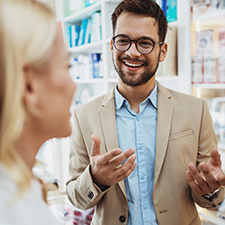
[[27, 33]]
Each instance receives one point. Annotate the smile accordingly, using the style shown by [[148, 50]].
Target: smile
[[133, 64]]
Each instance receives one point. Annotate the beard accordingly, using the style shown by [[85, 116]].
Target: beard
[[130, 78]]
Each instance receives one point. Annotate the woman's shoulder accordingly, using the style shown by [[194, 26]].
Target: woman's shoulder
[[30, 208]]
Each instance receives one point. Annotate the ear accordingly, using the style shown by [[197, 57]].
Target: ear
[[111, 44], [30, 96], [163, 52]]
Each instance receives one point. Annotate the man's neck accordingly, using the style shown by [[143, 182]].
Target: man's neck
[[136, 95]]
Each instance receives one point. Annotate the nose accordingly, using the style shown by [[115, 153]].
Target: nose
[[132, 51]]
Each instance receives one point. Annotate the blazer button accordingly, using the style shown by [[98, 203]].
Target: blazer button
[[122, 219]]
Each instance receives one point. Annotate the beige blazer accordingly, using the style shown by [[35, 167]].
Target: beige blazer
[[184, 134]]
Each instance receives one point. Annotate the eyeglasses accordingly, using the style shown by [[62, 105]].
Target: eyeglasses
[[144, 45]]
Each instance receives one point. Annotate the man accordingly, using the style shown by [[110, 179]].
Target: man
[[147, 140]]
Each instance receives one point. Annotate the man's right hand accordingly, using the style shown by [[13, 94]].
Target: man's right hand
[[107, 169]]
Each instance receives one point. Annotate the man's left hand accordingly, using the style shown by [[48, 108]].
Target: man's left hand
[[211, 176]]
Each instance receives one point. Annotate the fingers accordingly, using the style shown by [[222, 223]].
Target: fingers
[[197, 181], [201, 183], [95, 150], [127, 168], [208, 177], [221, 178], [215, 156], [110, 155], [122, 157], [115, 157], [192, 183]]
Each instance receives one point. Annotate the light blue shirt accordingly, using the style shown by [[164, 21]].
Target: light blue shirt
[[138, 131]]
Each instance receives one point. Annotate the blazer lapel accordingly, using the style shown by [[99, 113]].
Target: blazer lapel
[[107, 116], [164, 118]]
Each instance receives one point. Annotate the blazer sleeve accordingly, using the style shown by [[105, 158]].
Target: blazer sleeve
[[207, 141], [81, 190]]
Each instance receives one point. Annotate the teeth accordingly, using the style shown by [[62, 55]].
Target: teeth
[[133, 65]]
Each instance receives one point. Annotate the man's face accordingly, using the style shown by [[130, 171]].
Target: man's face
[[134, 68]]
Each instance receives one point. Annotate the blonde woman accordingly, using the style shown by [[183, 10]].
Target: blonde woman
[[36, 92]]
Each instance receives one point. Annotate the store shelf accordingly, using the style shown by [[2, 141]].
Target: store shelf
[[87, 48], [89, 81], [85, 13], [210, 86], [211, 16]]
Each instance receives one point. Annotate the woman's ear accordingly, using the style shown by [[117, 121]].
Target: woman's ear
[[163, 52], [30, 96]]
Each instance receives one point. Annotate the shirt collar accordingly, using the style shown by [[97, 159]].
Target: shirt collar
[[120, 100]]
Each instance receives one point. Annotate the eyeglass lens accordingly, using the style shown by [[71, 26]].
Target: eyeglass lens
[[123, 43]]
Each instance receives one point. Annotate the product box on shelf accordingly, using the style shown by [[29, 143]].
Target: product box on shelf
[[95, 62], [88, 31], [221, 49], [197, 68], [203, 7], [209, 68], [86, 67], [74, 34], [221, 69], [221, 57], [200, 7], [171, 13], [204, 42], [73, 6], [84, 32], [96, 27], [90, 2], [169, 8]]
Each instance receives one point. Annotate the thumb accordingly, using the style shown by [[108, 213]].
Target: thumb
[[215, 156], [95, 149]]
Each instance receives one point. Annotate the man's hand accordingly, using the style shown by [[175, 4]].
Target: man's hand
[[211, 176], [106, 169]]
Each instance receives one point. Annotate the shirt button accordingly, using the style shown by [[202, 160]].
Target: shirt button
[[138, 119], [142, 176], [141, 147], [122, 219], [145, 207]]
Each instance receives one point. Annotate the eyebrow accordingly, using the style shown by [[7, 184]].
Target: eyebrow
[[140, 37]]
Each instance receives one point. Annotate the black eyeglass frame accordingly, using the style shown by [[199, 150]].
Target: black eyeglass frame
[[135, 41]]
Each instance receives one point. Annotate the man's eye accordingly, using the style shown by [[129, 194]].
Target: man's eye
[[145, 43], [122, 41]]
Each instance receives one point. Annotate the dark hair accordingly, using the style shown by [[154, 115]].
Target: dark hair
[[142, 7]]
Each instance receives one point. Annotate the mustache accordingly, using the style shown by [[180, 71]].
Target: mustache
[[132, 60]]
